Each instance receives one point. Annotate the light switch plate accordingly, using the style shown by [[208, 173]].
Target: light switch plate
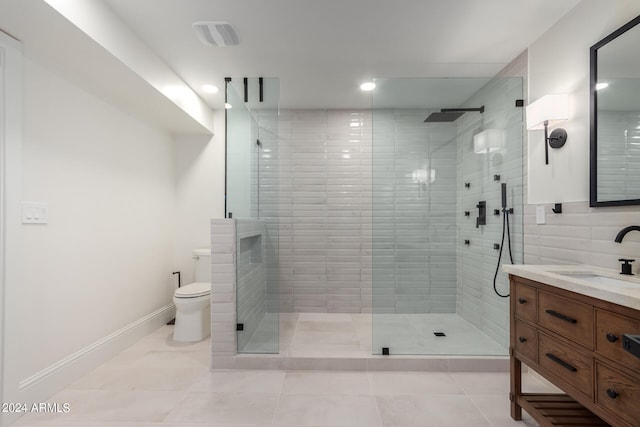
[[35, 213], [540, 216]]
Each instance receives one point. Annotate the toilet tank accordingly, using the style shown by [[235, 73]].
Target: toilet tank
[[202, 259]]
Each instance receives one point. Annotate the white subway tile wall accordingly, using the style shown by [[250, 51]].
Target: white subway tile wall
[[414, 204], [325, 211], [581, 235], [485, 173], [251, 280], [223, 287]]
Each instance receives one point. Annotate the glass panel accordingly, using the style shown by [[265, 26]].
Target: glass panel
[[242, 157], [426, 281], [253, 200]]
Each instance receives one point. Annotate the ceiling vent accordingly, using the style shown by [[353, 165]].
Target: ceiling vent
[[216, 33]]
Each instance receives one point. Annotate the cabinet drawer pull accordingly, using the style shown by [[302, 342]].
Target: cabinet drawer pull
[[522, 339], [561, 362], [611, 337], [612, 393], [561, 316], [522, 300]]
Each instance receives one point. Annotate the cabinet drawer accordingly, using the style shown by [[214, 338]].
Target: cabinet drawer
[[609, 330], [619, 393], [526, 341], [569, 318], [525, 301], [566, 363]]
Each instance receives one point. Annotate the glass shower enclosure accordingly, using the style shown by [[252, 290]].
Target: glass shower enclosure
[[251, 198], [443, 150], [441, 154]]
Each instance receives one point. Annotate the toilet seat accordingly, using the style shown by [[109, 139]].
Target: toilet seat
[[193, 290]]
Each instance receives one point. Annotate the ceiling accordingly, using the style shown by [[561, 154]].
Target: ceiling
[[323, 49]]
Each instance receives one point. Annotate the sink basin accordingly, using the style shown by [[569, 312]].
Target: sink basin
[[600, 280]]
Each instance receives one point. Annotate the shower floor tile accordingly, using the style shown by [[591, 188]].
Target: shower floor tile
[[350, 335]]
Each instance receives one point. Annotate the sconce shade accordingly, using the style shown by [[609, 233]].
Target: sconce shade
[[419, 175], [488, 140], [423, 176], [551, 108]]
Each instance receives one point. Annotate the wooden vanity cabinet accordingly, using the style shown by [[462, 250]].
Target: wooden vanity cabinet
[[575, 342]]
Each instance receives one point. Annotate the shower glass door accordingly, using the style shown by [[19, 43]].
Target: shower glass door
[[433, 267], [252, 199]]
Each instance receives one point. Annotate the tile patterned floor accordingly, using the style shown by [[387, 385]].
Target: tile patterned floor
[[157, 383]]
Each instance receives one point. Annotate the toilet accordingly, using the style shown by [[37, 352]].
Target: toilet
[[193, 302]]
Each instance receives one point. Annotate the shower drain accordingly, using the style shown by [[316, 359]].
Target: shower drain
[[440, 334]]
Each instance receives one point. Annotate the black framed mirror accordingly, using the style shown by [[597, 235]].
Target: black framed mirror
[[615, 118]]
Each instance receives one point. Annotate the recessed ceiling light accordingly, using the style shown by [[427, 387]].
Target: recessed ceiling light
[[600, 86], [368, 86], [210, 88]]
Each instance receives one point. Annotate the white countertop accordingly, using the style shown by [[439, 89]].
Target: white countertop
[[555, 275]]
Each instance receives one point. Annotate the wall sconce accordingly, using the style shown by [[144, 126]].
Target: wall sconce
[[547, 111], [488, 141]]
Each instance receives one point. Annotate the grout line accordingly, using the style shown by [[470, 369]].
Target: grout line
[[473, 402], [275, 409]]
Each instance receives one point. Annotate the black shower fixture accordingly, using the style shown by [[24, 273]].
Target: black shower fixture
[[482, 213], [506, 232], [443, 117], [447, 115]]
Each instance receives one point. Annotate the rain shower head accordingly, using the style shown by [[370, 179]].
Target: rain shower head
[[447, 115], [442, 117]]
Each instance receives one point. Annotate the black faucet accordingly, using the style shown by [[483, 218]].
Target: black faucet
[[626, 263], [624, 232]]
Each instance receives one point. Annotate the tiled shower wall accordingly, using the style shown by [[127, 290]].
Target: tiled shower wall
[[325, 211], [326, 195], [326, 204], [484, 173], [251, 277], [329, 189], [414, 200]]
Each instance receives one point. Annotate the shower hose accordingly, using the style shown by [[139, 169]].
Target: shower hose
[[505, 227]]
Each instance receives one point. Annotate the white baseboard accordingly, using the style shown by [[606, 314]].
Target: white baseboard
[[43, 384]]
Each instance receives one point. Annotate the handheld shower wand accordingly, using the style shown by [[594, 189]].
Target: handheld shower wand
[[505, 227], [504, 195]]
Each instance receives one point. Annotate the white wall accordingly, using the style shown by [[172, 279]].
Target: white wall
[[559, 63], [10, 171], [104, 261], [100, 23], [199, 186]]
